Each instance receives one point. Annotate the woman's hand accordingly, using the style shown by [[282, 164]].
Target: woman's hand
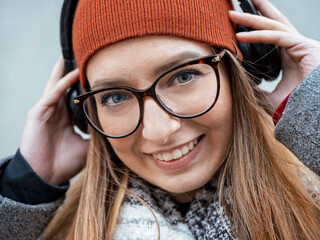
[[49, 143], [300, 55]]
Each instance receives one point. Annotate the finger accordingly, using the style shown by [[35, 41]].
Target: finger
[[278, 38], [58, 70], [56, 74], [60, 88], [257, 22], [270, 11]]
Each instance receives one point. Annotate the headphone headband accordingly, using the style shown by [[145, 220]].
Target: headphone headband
[[66, 20]]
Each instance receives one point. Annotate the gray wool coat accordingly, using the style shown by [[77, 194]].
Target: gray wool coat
[[298, 130]]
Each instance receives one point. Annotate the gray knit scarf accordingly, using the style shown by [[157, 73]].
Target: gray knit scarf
[[204, 219]]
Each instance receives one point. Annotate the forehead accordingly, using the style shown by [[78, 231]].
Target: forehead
[[141, 56]]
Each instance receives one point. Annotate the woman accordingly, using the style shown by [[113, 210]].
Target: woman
[[194, 156]]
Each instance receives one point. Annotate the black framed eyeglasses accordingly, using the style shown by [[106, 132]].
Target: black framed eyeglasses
[[185, 91]]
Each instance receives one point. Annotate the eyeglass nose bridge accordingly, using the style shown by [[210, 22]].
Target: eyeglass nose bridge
[[147, 93], [151, 92]]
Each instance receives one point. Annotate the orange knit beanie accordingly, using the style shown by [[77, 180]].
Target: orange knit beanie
[[98, 23]]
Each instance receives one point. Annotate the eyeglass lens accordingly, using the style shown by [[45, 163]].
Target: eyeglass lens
[[187, 91]]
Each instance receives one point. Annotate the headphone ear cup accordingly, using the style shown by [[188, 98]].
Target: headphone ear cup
[[76, 115], [267, 59], [246, 51], [259, 59]]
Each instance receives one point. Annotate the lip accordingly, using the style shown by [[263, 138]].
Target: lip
[[182, 162]]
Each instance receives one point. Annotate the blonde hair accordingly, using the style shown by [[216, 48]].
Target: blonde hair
[[260, 182], [261, 178]]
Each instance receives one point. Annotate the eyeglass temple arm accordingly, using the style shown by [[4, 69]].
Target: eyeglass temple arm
[[219, 56]]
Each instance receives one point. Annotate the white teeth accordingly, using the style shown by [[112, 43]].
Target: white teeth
[[167, 156], [177, 153], [190, 145], [184, 150], [158, 156]]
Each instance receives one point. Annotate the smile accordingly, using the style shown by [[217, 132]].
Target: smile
[[176, 153]]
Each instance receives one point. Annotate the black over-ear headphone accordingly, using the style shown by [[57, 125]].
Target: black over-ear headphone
[[66, 19], [260, 60]]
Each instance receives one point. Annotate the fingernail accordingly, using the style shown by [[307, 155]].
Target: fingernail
[[240, 34], [233, 12]]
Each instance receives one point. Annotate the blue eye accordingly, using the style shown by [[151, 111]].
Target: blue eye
[[185, 76], [113, 99]]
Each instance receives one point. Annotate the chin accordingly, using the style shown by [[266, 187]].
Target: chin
[[186, 183]]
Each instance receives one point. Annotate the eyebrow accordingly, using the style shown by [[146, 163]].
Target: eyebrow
[[100, 83], [173, 61], [180, 58]]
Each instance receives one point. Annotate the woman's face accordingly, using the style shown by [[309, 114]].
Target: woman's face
[[135, 62]]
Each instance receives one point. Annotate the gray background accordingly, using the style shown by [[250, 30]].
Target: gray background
[[29, 47]]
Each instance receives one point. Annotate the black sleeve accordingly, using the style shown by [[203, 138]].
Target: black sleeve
[[20, 183]]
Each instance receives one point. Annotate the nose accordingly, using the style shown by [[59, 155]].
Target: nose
[[157, 124]]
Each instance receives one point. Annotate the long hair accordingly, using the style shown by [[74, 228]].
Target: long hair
[[260, 178], [260, 182]]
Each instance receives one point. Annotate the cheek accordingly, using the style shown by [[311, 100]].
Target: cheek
[[124, 148], [219, 121], [221, 114]]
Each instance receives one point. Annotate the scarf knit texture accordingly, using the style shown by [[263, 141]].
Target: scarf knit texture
[[204, 219]]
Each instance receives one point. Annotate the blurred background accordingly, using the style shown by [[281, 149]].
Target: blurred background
[[30, 46]]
